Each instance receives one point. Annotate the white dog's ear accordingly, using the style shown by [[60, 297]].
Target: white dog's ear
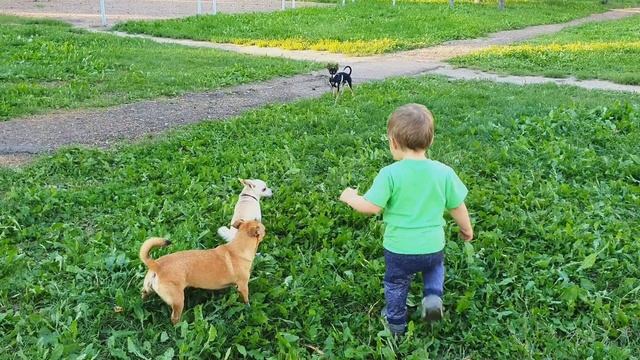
[[238, 223], [249, 183], [257, 232]]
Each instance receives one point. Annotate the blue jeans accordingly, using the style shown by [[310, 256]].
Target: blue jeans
[[400, 269]]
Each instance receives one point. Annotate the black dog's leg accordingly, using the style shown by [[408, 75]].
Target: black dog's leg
[[350, 87], [337, 94]]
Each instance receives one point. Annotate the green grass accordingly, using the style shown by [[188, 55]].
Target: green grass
[[608, 50], [369, 27], [46, 65], [553, 174]]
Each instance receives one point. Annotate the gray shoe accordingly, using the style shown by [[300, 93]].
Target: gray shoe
[[432, 308], [396, 330]]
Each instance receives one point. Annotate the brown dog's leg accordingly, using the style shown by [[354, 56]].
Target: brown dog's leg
[[243, 289], [177, 304], [174, 297], [176, 308], [147, 287]]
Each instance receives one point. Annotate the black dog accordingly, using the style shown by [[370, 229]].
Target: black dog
[[338, 79]]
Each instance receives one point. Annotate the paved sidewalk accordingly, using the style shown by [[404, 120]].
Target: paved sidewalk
[[86, 13]]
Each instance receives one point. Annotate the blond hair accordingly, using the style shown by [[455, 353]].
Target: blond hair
[[412, 127]]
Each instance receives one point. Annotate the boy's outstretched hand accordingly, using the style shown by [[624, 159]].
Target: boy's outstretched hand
[[461, 216], [348, 195], [466, 234]]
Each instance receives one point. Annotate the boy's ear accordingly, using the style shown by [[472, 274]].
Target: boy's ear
[[392, 141]]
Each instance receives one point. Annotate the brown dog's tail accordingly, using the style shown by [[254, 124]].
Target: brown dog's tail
[[146, 248]]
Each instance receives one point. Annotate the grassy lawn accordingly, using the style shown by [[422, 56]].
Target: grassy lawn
[[608, 50], [46, 65], [554, 273], [369, 27]]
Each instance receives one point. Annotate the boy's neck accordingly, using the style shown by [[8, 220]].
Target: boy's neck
[[413, 155]]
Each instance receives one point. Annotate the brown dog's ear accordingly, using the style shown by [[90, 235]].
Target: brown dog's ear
[[237, 224]]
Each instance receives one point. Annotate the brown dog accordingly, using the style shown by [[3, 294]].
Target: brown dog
[[224, 266]]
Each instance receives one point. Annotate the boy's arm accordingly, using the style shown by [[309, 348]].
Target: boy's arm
[[461, 217], [350, 197]]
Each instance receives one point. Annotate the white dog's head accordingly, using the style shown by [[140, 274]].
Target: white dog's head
[[256, 187]]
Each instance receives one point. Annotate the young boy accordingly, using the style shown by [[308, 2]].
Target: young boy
[[414, 192]]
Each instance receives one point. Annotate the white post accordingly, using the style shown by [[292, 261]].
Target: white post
[[199, 11], [293, 4], [283, 5], [103, 14], [214, 10]]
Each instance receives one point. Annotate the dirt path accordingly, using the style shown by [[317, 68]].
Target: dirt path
[[103, 128], [21, 138]]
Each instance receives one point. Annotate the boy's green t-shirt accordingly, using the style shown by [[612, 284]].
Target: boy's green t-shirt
[[414, 195]]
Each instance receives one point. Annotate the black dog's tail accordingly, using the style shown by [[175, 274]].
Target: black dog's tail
[[345, 68]]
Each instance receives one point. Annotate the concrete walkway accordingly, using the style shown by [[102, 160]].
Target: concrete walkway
[[21, 138], [469, 74]]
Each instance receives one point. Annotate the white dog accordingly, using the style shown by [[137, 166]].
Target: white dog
[[248, 206]]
